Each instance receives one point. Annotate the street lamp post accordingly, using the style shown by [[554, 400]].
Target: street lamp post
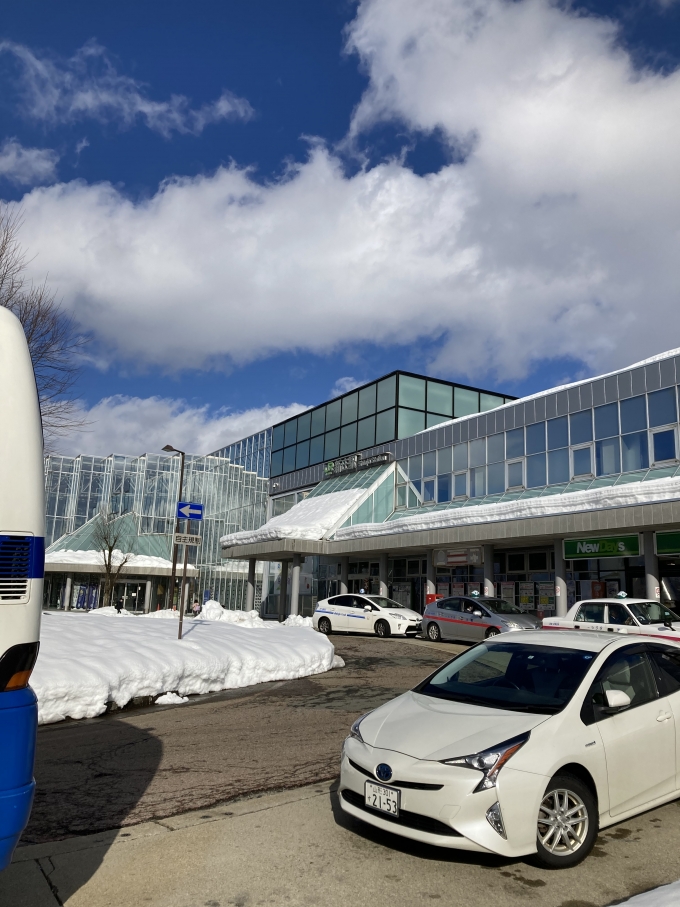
[[170, 449]]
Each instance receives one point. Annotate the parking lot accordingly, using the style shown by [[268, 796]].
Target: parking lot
[[230, 801]]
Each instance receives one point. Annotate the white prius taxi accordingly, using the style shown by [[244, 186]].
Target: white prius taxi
[[524, 744], [365, 614], [620, 615]]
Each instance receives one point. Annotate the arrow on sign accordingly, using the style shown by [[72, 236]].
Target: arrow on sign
[[188, 511]]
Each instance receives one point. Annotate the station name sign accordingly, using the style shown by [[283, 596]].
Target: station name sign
[[353, 463], [617, 546]]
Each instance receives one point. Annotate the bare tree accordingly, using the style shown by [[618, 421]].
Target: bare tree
[[53, 340], [106, 536]]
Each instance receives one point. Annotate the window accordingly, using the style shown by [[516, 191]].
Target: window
[[607, 457], [443, 489], [662, 409], [410, 422], [332, 444], [606, 421], [536, 438], [277, 437], [666, 664], [333, 415], [350, 406], [318, 421], [366, 433], [489, 401], [289, 459], [478, 482], [538, 561], [515, 563], [415, 467], [428, 491], [626, 670], [384, 427], [429, 463], [276, 464], [590, 614], [558, 466], [536, 471], [316, 450], [304, 424], [348, 439], [387, 392], [496, 478], [634, 453], [302, 455], [440, 398], [620, 616], [582, 460], [495, 447], [460, 457], [460, 485], [514, 443], [478, 452], [290, 432], [412, 392], [558, 433], [444, 460], [515, 474], [432, 419], [401, 496], [465, 402], [633, 414], [581, 426], [367, 401], [664, 445]]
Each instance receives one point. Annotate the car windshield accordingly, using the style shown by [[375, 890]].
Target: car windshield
[[515, 676], [384, 602], [499, 606], [652, 612]]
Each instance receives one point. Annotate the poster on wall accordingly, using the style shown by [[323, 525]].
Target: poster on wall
[[508, 592], [474, 587], [526, 596], [612, 588], [457, 588], [443, 589], [598, 588], [546, 596]]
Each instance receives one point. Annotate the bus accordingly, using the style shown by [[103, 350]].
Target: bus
[[22, 564]]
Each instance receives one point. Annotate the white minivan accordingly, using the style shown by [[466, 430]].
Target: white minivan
[[352, 613]]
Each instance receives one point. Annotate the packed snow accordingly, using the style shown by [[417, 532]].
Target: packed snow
[[85, 663], [110, 611], [666, 896], [311, 518], [96, 559], [627, 495], [171, 699]]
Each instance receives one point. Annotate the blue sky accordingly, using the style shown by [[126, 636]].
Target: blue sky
[[244, 204]]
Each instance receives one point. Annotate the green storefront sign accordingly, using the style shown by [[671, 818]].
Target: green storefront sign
[[668, 543], [618, 546]]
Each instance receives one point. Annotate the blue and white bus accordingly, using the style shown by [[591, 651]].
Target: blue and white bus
[[22, 563]]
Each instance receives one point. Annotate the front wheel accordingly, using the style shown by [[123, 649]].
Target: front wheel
[[433, 632], [492, 631], [382, 629], [325, 626], [567, 823]]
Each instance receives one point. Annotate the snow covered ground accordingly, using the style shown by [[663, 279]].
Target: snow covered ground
[[86, 662], [666, 896]]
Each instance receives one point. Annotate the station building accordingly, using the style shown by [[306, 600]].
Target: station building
[[411, 487]]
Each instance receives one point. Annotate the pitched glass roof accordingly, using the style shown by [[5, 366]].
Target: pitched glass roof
[[363, 478]]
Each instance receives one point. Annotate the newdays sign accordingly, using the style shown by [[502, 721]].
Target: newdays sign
[[617, 546]]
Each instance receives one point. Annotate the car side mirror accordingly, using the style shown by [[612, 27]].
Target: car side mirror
[[617, 700], [367, 608], [477, 613]]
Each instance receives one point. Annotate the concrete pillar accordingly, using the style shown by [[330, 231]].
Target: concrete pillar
[[295, 585], [147, 596], [284, 591], [67, 593], [653, 591], [430, 587], [384, 590], [488, 586], [560, 580], [250, 588], [344, 574]]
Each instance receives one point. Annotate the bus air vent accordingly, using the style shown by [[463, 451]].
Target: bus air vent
[[15, 567]]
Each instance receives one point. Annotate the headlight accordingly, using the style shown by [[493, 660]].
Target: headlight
[[512, 625], [354, 730], [395, 616], [490, 761]]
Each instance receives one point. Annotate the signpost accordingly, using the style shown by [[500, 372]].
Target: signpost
[[182, 538], [186, 510]]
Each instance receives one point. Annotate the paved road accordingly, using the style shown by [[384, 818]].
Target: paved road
[[297, 849], [148, 764]]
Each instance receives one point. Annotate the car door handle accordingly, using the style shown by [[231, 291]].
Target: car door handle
[[664, 716]]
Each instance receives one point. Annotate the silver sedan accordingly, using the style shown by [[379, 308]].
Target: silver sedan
[[471, 619]]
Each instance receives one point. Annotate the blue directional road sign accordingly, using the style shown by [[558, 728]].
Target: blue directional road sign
[[186, 510]]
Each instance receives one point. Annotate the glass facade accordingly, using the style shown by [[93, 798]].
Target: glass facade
[[397, 406], [251, 453]]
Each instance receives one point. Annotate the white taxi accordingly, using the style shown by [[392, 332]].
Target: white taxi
[[360, 613], [620, 615]]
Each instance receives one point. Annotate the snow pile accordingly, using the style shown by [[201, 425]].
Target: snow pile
[[96, 559], [295, 620], [213, 610], [666, 896], [110, 611], [311, 518], [84, 664], [170, 699], [627, 495], [163, 613]]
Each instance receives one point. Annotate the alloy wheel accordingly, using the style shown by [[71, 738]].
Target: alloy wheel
[[433, 632], [562, 822]]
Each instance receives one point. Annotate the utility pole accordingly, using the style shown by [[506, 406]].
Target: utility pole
[[171, 592], [184, 580]]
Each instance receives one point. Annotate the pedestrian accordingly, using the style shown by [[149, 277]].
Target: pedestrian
[[196, 608], [119, 605]]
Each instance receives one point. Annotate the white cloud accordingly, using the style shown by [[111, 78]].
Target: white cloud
[[87, 86], [342, 385], [557, 235], [135, 425], [27, 166]]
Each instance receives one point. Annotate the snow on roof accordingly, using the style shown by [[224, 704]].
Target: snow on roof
[[550, 505], [96, 559], [310, 519]]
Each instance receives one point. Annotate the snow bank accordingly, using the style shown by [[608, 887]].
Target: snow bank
[[310, 518], [213, 610], [110, 611], [611, 496], [167, 613], [170, 699], [295, 620], [84, 664], [666, 896]]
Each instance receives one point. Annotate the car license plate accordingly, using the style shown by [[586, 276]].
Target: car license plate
[[384, 799]]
